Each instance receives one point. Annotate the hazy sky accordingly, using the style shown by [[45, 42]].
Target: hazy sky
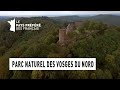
[[54, 13]]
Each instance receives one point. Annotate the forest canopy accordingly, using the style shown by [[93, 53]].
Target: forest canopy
[[103, 44]]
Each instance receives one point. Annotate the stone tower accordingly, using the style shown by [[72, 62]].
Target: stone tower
[[62, 36], [70, 28]]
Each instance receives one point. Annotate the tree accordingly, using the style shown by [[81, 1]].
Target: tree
[[111, 64], [92, 76], [108, 74], [116, 54], [99, 74], [5, 73], [37, 74], [50, 75], [2, 50], [77, 74], [21, 75]]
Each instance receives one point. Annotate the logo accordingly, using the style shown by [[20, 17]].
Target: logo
[[12, 24], [16, 25]]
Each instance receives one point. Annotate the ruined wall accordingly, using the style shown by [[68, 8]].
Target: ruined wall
[[70, 28], [62, 35]]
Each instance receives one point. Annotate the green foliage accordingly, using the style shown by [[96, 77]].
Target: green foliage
[[110, 60], [21, 75], [18, 52], [37, 74], [93, 25], [101, 74], [50, 75], [78, 74], [111, 65], [93, 76], [108, 74], [2, 50], [116, 54], [4, 70]]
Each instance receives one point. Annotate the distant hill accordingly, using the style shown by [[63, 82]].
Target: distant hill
[[68, 18], [4, 17], [106, 18], [109, 19]]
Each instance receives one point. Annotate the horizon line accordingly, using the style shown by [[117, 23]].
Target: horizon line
[[54, 15]]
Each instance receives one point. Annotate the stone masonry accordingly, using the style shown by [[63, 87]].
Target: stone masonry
[[63, 33]]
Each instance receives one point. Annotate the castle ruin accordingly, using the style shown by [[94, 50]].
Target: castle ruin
[[63, 33], [70, 28]]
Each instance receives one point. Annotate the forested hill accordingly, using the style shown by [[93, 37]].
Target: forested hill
[[104, 45], [68, 18], [26, 43], [109, 19]]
